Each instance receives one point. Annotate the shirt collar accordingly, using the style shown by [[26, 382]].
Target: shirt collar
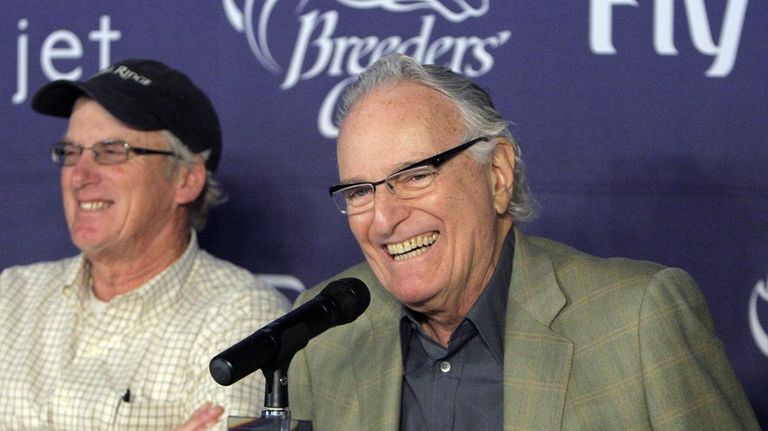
[[153, 296], [489, 312], [76, 278]]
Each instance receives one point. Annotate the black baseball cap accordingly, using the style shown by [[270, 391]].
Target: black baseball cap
[[146, 95]]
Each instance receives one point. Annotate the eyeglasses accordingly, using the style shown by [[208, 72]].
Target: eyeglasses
[[410, 182], [108, 152]]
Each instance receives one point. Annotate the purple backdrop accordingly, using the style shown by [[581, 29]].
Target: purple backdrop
[[644, 124]]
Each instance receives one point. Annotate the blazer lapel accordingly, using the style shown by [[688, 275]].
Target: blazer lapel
[[377, 363], [537, 361]]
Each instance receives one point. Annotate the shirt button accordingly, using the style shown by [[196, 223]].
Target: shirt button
[[445, 366]]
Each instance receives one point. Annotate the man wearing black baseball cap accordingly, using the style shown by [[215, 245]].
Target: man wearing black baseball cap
[[121, 334], [145, 95]]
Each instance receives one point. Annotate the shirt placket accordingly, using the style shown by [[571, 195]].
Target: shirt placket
[[100, 370]]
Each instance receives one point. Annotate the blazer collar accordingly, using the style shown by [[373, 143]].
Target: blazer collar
[[537, 360], [377, 362], [533, 285]]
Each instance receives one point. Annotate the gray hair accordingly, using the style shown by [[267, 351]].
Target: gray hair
[[475, 105], [212, 195]]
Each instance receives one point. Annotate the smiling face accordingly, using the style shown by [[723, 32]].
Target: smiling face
[[120, 211], [437, 252]]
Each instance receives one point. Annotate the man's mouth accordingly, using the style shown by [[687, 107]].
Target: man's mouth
[[412, 247], [94, 205]]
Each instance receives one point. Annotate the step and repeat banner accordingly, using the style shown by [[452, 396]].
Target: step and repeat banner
[[644, 124]]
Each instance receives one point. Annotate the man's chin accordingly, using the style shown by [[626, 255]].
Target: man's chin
[[414, 294], [90, 245]]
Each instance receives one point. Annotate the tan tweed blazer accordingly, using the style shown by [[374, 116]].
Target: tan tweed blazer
[[590, 344]]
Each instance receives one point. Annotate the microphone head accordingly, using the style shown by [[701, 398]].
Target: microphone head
[[351, 297], [221, 371]]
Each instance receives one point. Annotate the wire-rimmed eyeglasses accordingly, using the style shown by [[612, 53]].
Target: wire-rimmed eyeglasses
[[407, 183], [107, 152]]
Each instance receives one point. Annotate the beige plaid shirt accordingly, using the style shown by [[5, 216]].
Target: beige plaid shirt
[[66, 365]]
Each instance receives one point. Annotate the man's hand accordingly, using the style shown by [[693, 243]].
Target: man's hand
[[203, 418]]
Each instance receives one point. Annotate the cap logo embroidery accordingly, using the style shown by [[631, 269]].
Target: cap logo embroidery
[[126, 73]]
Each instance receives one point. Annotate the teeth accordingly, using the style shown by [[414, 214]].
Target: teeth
[[93, 205], [411, 254], [412, 247]]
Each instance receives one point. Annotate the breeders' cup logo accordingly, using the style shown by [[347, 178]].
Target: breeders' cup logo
[[463, 9], [758, 332], [318, 49]]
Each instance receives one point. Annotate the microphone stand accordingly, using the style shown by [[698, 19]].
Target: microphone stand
[[276, 396]]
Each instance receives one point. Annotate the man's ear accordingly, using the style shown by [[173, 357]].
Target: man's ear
[[191, 181], [502, 175]]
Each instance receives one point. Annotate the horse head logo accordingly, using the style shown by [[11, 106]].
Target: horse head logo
[[453, 11]]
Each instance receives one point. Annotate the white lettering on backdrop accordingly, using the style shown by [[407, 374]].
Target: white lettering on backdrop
[[60, 45], [601, 30], [345, 56]]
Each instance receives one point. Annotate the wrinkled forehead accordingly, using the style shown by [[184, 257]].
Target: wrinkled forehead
[[393, 126]]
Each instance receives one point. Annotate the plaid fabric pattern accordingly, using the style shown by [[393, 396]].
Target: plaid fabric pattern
[[590, 344], [64, 366]]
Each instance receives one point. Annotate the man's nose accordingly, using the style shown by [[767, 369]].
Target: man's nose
[[388, 210], [85, 169]]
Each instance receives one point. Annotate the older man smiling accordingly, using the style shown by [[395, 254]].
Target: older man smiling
[[474, 325]]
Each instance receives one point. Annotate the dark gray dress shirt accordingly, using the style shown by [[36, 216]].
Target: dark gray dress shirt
[[459, 388]]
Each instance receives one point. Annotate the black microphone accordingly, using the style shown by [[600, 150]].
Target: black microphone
[[274, 345]]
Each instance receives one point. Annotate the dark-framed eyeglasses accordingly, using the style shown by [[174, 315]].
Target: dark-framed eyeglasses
[[107, 152], [410, 182]]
